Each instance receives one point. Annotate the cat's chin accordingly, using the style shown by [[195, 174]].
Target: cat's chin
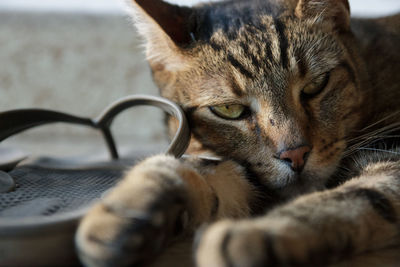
[[298, 188], [292, 185]]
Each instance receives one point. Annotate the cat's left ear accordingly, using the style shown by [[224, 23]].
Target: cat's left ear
[[334, 12], [165, 27]]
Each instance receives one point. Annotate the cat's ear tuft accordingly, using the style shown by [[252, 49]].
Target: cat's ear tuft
[[334, 12], [165, 27]]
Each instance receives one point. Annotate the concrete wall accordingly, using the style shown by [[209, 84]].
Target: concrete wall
[[77, 63]]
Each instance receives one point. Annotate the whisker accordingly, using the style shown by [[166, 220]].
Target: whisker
[[379, 150], [371, 137], [381, 120]]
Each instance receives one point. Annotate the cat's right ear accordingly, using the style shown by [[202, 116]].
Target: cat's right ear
[[166, 29], [335, 13]]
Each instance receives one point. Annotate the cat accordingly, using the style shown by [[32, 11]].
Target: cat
[[300, 104]]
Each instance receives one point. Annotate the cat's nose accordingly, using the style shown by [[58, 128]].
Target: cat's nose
[[296, 158]]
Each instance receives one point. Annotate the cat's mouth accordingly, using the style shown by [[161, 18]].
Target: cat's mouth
[[289, 184], [285, 181]]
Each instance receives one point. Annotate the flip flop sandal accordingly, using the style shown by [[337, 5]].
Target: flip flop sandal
[[42, 200]]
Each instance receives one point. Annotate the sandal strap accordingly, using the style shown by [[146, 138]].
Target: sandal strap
[[15, 121]]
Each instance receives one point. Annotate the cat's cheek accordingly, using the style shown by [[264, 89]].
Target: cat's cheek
[[319, 170]]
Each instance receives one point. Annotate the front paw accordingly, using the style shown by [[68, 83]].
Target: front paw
[[252, 243], [137, 219]]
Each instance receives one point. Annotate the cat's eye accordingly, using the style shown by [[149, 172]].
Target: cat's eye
[[229, 112], [316, 85]]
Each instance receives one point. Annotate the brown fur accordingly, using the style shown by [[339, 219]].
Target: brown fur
[[342, 208]]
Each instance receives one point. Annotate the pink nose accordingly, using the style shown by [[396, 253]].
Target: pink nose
[[296, 158]]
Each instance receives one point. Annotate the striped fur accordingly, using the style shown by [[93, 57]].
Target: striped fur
[[340, 209]]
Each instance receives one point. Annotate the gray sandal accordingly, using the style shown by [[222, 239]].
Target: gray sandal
[[42, 200]]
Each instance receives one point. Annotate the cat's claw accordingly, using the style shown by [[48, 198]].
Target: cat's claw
[[242, 244], [131, 227], [227, 245]]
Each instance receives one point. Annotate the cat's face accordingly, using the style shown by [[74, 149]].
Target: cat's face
[[279, 95]]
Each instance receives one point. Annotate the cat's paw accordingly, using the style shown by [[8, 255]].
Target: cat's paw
[[250, 243], [136, 220]]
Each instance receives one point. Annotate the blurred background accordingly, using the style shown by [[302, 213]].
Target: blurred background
[[78, 56]]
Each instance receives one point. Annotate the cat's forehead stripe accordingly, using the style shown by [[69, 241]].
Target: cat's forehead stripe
[[283, 42], [301, 64], [254, 51], [236, 88], [240, 66], [254, 59], [215, 46]]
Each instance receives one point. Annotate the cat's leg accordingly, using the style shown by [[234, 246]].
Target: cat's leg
[[160, 198], [357, 221]]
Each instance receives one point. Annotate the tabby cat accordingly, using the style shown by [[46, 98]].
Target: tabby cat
[[300, 104]]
